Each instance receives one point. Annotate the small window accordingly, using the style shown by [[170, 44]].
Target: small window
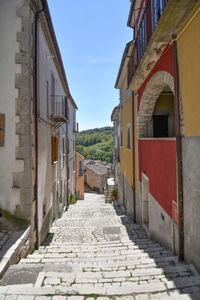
[[128, 136], [121, 137], [80, 173], [160, 126], [128, 93]]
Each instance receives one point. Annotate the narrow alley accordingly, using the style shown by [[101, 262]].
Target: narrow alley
[[94, 251]]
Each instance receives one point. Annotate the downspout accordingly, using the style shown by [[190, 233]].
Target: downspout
[[36, 124], [67, 154], [179, 152], [133, 145]]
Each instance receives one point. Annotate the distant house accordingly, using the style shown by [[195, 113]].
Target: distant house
[[79, 176], [95, 174]]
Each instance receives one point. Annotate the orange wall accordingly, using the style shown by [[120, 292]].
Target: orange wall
[[79, 179]]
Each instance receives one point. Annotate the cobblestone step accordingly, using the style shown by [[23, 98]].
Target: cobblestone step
[[91, 253], [112, 254]]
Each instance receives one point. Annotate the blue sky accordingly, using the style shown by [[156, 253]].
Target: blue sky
[[92, 36]]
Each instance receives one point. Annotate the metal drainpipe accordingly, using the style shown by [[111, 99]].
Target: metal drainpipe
[[36, 122], [67, 156], [133, 145], [179, 152]]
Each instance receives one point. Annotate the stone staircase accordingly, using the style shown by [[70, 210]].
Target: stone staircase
[[96, 252]]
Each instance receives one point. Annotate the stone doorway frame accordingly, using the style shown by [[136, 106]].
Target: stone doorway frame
[[153, 89]]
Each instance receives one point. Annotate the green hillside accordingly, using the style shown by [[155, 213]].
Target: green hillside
[[96, 143]]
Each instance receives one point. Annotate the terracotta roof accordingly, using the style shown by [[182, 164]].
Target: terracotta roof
[[97, 167]]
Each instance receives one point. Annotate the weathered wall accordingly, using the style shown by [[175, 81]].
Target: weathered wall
[[157, 159], [51, 178], [161, 226], [93, 180], [15, 101], [126, 155], [71, 155], [165, 63], [126, 194], [191, 196], [189, 62]]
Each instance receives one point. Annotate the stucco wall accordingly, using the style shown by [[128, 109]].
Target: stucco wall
[[161, 226], [79, 179], [191, 198], [10, 99], [126, 155], [126, 196], [71, 155], [157, 159], [165, 63], [93, 180], [189, 62], [51, 178]]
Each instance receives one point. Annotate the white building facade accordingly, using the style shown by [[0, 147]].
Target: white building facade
[[38, 110]]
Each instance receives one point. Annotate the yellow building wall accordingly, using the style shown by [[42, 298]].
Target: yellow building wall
[[126, 155], [189, 72], [165, 102]]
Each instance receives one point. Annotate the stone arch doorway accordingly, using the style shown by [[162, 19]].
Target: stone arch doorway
[[159, 82]]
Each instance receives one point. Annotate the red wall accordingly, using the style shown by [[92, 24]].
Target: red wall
[[165, 63], [157, 159]]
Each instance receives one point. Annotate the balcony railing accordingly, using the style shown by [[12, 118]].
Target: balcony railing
[[148, 23], [59, 108]]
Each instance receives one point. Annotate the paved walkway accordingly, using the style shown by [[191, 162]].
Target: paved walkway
[[96, 252]]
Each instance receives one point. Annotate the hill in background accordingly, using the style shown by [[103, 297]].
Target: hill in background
[[96, 144]]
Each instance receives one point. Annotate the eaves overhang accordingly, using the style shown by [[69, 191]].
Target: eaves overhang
[[133, 13], [114, 112], [123, 65], [50, 35], [174, 15]]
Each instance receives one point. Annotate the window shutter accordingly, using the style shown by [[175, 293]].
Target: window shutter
[[54, 149], [2, 129]]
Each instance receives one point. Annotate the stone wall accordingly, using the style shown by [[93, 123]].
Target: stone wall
[[24, 108]]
